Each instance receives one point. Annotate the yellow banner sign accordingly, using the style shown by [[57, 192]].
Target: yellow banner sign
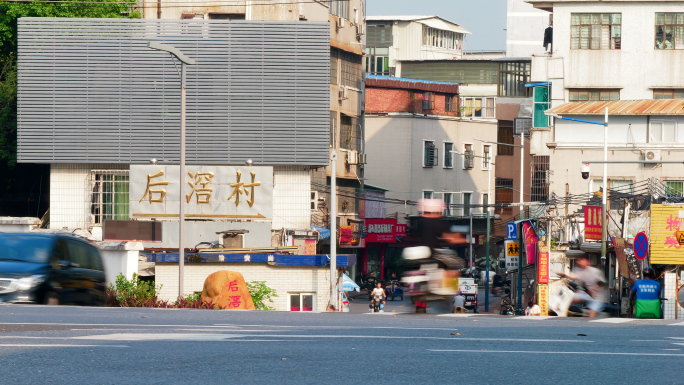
[[666, 223], [543, 298]]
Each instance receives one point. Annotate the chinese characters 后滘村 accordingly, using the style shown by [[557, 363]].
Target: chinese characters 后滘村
[[242, 188], [149, 191], [199, 186]]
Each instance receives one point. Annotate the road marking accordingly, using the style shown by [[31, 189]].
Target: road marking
[[677, 324], [457, 315], [613, 320], [60, 346], [390, 313], [535, 318], [223, 337], [551, 352]]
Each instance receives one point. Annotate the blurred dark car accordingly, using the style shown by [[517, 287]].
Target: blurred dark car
[[50, 269]]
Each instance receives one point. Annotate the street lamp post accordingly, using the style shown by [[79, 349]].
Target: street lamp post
[[175, 52], [604, 217]]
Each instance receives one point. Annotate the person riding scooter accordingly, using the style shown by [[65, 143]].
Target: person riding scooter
[[595, 295], [646, 296], [378, 295]]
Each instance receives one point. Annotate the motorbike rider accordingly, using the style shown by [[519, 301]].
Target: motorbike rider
[[591, 279], [393, 280], [377, 295], [646, 296], [435, 233]]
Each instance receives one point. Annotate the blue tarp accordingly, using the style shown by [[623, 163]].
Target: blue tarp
[[325, 233]]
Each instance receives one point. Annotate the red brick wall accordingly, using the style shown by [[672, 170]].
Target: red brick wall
[[383, 100]]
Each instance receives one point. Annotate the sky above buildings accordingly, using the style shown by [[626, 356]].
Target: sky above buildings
[[485, 19]]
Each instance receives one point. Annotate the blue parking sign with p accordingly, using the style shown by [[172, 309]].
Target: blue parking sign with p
[[512, 231]]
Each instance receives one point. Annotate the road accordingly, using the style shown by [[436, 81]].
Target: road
[[82, 345]]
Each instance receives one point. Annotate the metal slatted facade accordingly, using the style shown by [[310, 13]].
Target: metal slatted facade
[[90, 91]]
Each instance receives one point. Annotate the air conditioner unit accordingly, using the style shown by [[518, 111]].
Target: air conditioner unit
[[469, 160], [314, 200], [522, 126], [363, 158], [352, 157], [652, 156], [360, 30], [340, 23], [343, 93]]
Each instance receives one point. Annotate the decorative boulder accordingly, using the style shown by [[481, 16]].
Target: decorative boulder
[[227, 290]]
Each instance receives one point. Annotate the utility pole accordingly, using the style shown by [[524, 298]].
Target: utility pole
[[487, 263], [333, 226], [522, 216], [604, 216]]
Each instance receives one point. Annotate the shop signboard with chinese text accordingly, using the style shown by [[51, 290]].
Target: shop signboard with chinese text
[[210, 192], [543, 268], [381, 230], [543, 298], [593, 219], [351, 236], [512, 255]]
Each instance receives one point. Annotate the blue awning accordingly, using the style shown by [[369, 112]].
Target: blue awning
[[324, 233], [538, 84]]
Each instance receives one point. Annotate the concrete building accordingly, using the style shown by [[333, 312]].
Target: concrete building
[[607, 55], [420, 147], [525, 27], [394, 39]]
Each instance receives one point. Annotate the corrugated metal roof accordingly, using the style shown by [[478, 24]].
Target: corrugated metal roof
[[431, 21], [411, 84], [622, 107]]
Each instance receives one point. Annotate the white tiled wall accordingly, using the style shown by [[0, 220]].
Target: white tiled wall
[[69, 200], [283, 279], [291, 197], [671, 293]]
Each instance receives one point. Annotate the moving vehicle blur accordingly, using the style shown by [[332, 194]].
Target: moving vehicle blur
[[50, 269]]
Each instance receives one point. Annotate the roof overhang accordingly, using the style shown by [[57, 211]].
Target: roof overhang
[[663, 107], [441, 24]]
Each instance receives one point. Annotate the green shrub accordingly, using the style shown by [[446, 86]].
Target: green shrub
[[133, 293], [261, 293]]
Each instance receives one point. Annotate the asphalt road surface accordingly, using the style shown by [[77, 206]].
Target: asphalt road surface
[[83, 345]]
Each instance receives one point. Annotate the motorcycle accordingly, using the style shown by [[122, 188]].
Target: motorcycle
[[507, 306], [394, 290], [561, 301], [376, 306]]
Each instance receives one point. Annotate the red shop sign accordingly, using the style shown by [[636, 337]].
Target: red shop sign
[[381, 230]]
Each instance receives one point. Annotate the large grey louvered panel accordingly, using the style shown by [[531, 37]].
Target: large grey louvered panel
[[90, 91]]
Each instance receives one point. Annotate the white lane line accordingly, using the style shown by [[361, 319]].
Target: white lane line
[[677, 324], [535, 318], [613, 320], [401, 328], [131, 325], [457, 315], [222, 337], [550, 352], [59, 346], [649, 341], [389, 313]]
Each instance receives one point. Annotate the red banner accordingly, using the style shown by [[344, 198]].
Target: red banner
[[400, 230], [530, 242], [593, 219], [381, 230], [543, 268]]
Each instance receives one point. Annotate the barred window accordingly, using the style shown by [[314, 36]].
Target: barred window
[[596, 31], [352, 69], [540, 178], [109, 195], [334, 55], [349, 133]]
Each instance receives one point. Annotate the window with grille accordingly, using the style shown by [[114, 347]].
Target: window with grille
[[504, 195], [109, 195], [596, 31], [669, 30], [505, 136], [540, 178], [428, 101], [512, 78], [580, 95], [675, 188], [448, 155], [352, 69], [349, 133], [619, 190], [429, 153]]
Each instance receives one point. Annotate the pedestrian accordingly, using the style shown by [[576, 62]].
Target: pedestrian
[[592, 280], [532, 309], [459, 303], [646, 296]]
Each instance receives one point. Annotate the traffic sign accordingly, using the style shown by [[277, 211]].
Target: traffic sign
[[512, 231], [512, 255], [641, 246], [680, 237]]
